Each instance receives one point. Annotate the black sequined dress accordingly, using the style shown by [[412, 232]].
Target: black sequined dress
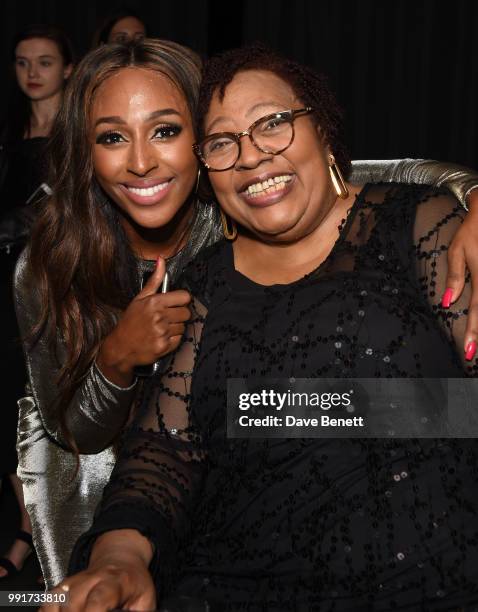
[[310, 524]]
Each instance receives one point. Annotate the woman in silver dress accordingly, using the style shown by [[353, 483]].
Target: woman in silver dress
[[126, 192], [42, 61]]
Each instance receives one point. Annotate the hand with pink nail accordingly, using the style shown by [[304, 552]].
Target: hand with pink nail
[[463, 256], [470, 350]]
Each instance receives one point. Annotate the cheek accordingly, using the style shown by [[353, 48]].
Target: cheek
[[21, 74], [227, 197], [53, 77], [179, 155], [221, 182], [107, 165], [181, 161]]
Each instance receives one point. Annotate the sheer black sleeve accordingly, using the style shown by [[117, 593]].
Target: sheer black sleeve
[[436, 222], [160, 469]]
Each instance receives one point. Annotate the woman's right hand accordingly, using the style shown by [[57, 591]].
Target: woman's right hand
[[151, 327], [117, 577]]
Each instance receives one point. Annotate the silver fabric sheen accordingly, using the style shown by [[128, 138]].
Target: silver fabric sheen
[[60, 504]]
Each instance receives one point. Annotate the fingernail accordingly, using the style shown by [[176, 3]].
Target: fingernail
[[158, 261], [446, 299], [470, 350]]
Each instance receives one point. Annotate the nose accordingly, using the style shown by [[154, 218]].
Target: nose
[[142, 158], [250, 156], [32, 70]]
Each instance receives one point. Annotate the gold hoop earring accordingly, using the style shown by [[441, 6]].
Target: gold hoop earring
[[197, 181], [229, 228], [337, 179]]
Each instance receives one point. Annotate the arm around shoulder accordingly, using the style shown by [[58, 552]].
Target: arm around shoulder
[[458, 179]]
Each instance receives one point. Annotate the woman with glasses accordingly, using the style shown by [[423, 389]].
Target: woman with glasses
[[128, 190], [318, 278]]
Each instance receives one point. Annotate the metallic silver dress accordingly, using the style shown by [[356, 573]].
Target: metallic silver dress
[[60, 504]]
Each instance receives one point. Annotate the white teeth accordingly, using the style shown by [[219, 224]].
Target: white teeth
[[273, 184], [148, 191]]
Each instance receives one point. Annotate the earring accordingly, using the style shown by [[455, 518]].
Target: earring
[[337, 179], [228, 226], [197, 181]]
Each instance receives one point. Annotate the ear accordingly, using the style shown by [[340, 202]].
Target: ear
[[319, 132], [67, 71], [323, 139], [329, 156]]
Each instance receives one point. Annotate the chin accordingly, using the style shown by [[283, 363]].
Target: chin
[[151, 222], [153, 219], [275, 228], [275, 233]]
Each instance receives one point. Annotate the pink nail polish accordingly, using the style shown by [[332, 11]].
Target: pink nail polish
[[470, 350], [446, 299]]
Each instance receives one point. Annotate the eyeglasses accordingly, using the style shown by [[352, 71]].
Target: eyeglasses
[[270, 134]]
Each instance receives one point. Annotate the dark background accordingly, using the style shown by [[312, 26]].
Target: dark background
[[405, 71]]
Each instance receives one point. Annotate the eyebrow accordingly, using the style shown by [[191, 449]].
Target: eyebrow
[[39, 57], [249, 112], [154, 115]]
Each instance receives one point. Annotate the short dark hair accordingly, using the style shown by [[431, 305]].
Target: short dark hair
[[311, 87]]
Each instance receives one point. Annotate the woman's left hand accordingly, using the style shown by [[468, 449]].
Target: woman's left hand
[[462, 254]]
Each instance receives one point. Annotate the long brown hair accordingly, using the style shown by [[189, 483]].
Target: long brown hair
[[80, 257]]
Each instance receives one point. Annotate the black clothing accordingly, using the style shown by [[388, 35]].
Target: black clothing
[[309, 524], [25, 170], [14, 375]]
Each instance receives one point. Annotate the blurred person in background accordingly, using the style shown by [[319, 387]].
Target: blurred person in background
[[121, 26], [42, 60]]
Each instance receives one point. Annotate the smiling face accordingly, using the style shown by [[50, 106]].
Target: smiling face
[[278, 197], [39, 68], [126, 29], [141, 133]]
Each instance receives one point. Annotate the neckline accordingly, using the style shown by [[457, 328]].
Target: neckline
[[236, 278], [191, 229], [151, 263]]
